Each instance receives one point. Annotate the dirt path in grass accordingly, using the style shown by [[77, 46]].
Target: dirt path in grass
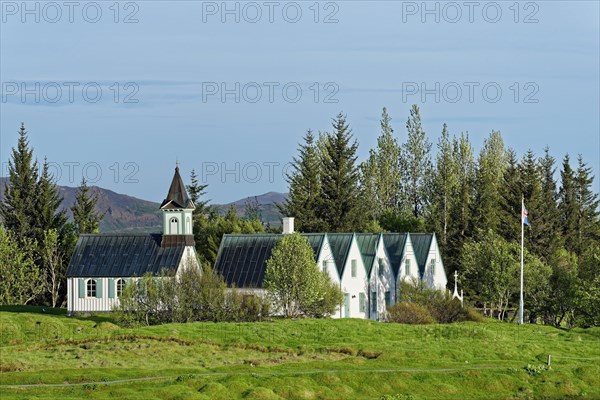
[[282, 373]]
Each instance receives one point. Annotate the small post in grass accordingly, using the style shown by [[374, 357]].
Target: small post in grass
[[548, 359]]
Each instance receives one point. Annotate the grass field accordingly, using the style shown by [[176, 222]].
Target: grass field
[[52, 356]]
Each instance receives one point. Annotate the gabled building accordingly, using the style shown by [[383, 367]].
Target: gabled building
[[429, 259], [102, 264], [368, 266]]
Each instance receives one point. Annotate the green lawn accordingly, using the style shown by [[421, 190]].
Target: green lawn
[[91, 357]]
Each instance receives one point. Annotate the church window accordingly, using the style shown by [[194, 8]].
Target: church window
[[120, 287], [91, 288]]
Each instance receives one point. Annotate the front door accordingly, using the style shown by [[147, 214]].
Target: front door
[[346, 305]]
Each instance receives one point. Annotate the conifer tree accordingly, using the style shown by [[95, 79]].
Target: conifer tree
[[461, 222], [546, 215], [567, 205], [416, 163], [532, 190], [18, 208], [510, 204], [48, 212], [196, 192], [380, 173], [340, 192], [588, 222], [488, 181], [305, 187], [444, 184], [85, 216]]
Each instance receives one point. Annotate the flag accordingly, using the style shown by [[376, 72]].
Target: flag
[[525, 220]]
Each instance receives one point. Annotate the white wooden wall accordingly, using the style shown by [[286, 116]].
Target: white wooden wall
[[382, 283], [435, 279], [103, 302], [327, 262], [354, 286], [403, 275]]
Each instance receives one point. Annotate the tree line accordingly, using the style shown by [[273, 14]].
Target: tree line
[[36, 237], [473, 204], [471, 201]]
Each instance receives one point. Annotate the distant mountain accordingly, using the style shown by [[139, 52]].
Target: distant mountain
[[130, 214], [266, 203]]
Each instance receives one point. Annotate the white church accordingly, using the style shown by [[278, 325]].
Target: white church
[[369, 267], [102, 264]]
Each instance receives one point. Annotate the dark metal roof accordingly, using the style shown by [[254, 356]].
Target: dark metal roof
[[124, 255], [395, 243], [367, 243], [316, 241], [242, 259], [421, 242], [177, 196], [340, 247]]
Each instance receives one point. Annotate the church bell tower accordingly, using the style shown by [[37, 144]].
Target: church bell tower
[[177, 209]]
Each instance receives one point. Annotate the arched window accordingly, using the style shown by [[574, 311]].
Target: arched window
[[188, 226], [120, 287], [91, 288], [174, 226]]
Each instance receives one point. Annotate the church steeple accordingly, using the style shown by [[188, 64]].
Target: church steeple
[[177, 208]]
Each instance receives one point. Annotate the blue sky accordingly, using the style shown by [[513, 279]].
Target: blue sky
[[530, 71]]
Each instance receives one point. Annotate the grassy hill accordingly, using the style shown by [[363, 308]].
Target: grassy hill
[[49, 355], [128, 214]]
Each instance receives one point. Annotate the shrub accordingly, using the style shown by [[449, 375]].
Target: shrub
[[441, 307], [194, 295], [410, 313]]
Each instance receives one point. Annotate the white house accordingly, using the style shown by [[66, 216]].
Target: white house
[[368, 267], [429, 259], [102, 264], [381, 275]]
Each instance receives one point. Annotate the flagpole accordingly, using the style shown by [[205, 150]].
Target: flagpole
[[522, 241]]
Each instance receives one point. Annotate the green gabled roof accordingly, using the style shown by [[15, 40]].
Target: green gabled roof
[[394, 244], [367, 244], [316, 242], [242, 259], [421, 242], [340, 247]]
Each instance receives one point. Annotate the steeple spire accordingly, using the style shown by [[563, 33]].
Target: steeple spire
[[177, 196]]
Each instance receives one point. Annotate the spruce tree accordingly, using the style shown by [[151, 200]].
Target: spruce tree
[[488, 181], [85, 216], [340, 208], [416, 163], [461, 222], [546, 215], [304, 181], [444, 182], [18, 208], [48, 212], [510, 202], [588, 222], [380, 173], [196, 192], [532, 190], [567, 205]]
